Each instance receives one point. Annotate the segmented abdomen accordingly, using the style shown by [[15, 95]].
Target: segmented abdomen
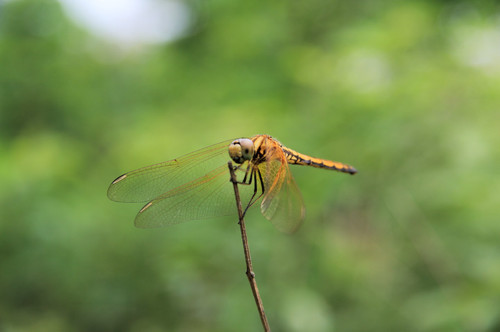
[[294, 157]]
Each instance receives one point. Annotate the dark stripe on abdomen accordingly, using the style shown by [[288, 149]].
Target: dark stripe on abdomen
[[297, 158]]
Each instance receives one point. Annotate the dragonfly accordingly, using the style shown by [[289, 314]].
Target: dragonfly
[[196, 186]]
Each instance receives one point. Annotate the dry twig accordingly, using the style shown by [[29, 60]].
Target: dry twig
[[250, 274]]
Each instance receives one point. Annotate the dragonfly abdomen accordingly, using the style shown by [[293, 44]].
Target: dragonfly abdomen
[[294, 157]]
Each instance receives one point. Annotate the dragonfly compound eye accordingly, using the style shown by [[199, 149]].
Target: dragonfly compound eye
[[241, 150]]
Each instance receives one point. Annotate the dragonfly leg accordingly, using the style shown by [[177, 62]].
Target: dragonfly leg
[[261, 184], [255, 189], [246, 174], [244, 181]]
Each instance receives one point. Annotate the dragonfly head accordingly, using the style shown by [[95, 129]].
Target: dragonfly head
[[241, 150]]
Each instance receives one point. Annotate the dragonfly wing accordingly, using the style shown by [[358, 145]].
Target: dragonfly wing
[[208, 196], [147, 183], [282, 204]]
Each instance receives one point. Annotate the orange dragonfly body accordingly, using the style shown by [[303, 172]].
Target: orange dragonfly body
[[196, 186]]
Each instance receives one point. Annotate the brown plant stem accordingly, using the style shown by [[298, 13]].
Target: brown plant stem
[[250, 274]]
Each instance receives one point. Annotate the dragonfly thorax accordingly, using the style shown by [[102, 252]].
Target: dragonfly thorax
[[241, 150]]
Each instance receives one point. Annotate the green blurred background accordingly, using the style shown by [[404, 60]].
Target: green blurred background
[[407, 92]]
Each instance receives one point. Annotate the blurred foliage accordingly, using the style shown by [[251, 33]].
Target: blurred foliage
[[407, 92]]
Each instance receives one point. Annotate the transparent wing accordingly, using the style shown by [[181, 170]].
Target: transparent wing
[[282, 204], [147, 183], [208, 196]]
